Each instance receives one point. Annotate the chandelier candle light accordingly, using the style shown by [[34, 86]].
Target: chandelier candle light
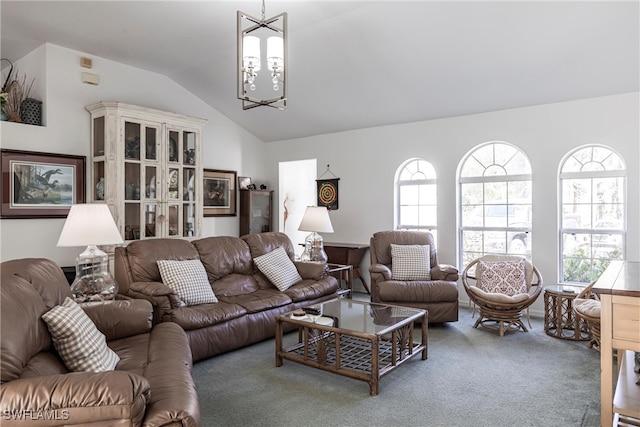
[[316, 219], [91, 225], [254, 88]]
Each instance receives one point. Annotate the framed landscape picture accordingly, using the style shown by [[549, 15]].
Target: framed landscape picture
[[40, 185], [219, 192]]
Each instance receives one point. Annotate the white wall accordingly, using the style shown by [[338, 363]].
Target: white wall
[[366, 160], [67, 130]]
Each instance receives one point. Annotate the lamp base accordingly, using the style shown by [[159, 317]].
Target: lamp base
[[313, 249], [93, 281], [99, 288]]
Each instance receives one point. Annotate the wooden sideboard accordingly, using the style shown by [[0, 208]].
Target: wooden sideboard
[[619, 291]]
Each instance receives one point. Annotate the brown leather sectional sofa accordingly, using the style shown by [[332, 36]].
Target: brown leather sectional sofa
[[151, 385], [248, 302]]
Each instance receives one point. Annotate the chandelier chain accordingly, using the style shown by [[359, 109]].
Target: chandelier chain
[[262, 10]]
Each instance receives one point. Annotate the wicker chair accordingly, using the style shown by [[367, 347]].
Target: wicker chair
[[498, 311], [586, 306]]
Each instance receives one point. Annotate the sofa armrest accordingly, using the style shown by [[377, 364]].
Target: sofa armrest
[[78, 398], [312, 270], [162, 297], [380, 270], [444, 272], [121, 318]]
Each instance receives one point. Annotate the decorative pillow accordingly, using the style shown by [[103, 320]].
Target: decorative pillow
[[278, 268], [82, 347], [502, 277], [188, 279], [410, 262]]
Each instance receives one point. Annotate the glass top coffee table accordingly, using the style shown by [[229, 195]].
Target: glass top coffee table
[[352, 338]]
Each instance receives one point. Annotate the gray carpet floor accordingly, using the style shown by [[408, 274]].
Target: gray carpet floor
[[471, 378]]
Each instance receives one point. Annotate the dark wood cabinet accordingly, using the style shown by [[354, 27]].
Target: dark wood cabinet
[[256, 208]]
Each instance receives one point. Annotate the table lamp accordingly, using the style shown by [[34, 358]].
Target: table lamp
[[91, 225], [316, 219]]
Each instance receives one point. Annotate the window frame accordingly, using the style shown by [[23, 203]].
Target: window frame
[[591, 231], [515, 232], [428, 170]]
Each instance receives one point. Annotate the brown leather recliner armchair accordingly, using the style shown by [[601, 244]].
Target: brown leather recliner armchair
[[150, 386], [439, 295]]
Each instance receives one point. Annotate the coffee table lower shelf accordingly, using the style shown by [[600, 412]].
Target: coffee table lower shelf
[[366, 358]]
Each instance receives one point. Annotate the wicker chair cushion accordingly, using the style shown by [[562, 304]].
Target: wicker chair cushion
[[587, 307], [502, 277], [410, 262], [498, 297]]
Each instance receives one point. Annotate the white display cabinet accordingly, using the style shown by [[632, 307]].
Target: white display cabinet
[[146, 165]]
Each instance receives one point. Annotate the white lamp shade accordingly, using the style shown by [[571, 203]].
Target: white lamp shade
[[89, 224], [275, 52], [251, 52], [316, 218]]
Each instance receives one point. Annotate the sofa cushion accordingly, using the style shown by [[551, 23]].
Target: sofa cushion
[[204, 315], [410, 262], [278, 268], [44, 275], [261, 300], [80, 345], [224, 255], [143, 256], [263, 243], [394, 291], [188, 279], [502, 277], [235, 284], [24, 335], [307, 290]]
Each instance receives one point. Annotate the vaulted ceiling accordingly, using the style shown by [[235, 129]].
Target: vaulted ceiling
[[357, 64]]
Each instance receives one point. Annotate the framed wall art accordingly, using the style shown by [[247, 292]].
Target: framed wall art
[[219, 192], [40, 185]]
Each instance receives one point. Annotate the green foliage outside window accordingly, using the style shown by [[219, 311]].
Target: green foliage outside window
[[581, 269]]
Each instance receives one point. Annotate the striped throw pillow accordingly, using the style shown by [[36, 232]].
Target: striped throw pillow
[[82, 347], [410, 262]]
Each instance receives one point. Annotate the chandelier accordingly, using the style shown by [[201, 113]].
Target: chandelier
[[256, 88]]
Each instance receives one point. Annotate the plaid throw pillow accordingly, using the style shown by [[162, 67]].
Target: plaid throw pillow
[[410, 262], [278, 268], [82, 347], [188, 279], [502, 277]]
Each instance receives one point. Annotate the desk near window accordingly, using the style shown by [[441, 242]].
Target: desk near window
[[619, 291], [348, 254]]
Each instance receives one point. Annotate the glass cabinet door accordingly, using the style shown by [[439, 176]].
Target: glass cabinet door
[[97, 188]]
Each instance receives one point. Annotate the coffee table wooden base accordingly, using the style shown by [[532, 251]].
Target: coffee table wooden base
[[365, 357]]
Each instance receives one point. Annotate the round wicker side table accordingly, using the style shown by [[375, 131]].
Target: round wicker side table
[[559, 318]]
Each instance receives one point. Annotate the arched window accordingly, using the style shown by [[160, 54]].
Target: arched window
[[416, 196], [494, 202], [592, 218]]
